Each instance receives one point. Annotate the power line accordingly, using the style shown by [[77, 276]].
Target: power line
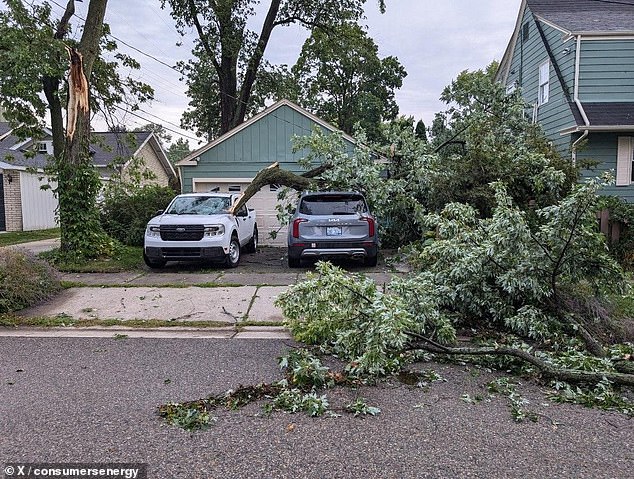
[[154, 123]]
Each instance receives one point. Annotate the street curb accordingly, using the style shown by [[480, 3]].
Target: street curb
[[118, 332]]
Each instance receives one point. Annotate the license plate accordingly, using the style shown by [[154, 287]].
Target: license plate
[[333, 231]]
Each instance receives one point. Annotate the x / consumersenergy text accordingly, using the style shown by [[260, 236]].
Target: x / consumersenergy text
[[74, 471]]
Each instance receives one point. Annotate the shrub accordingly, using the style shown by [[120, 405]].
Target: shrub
[[24, 280], [125, 213]]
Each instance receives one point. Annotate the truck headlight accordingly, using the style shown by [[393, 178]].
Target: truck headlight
[[153, 231], [214, 230]]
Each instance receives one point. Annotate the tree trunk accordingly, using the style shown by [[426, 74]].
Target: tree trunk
[[78, 182], [274, 175]]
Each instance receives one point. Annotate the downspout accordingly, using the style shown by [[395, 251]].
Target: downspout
[[578, 103]]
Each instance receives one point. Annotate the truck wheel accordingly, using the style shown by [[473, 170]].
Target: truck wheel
[[153, 263], [232, 259], [252, 246]]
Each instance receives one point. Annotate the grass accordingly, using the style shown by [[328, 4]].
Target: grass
[[81, 284], [127, 258], [9, 320], [19, 237]]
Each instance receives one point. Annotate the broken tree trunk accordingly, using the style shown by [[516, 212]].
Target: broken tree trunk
[[274, 175], [548, 371]]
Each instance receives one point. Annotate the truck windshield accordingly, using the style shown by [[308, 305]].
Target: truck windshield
[[333, 205], [199, 205]]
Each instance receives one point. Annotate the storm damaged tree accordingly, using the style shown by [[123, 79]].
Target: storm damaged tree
[[37, 56], [232, 55]]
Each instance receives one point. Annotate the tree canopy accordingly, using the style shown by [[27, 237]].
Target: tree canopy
[[341, 78], [229, 57]]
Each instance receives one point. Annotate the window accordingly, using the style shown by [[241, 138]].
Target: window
[[525, 32], [624, 160], [274, 187], [544, 82], [234, 188], [42, 147], [510, 88]]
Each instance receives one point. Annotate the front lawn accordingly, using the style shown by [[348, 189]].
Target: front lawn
[[127, 258], [19, 237]]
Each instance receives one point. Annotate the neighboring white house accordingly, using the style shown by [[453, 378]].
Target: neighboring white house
[[25, 206]]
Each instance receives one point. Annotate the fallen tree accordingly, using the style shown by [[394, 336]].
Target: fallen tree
[[509, 279], [274, 175]]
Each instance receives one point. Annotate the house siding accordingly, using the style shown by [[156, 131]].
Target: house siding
[[152, 165], [606, 70], [554, 115], [12, 201], [260, 144], [602, 148]]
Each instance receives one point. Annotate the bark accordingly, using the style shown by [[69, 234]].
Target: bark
[[255, 62], [274, 175], [75, 194], [547, 371], [51, 87]]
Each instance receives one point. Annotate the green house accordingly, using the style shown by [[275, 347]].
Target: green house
[[573, 61], [231, 161]]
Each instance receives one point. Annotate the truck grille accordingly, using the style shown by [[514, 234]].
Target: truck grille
[[182, 232]]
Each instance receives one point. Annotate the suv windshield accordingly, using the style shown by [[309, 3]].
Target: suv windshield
[[332, 205], [199, 205]]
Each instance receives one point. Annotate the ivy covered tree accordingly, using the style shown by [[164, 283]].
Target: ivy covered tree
[[341, 78], [37, 55], [229, 73]]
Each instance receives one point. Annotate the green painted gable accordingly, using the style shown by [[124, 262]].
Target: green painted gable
[[528, 55], [258, 145], [606, 71]]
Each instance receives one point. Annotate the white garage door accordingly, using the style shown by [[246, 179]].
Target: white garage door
[[263, 202], [38, 205]]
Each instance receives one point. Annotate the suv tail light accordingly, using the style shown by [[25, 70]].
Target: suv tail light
[[371, 226], [296, 226]]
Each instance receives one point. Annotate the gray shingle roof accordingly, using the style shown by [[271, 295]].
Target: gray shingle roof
[[105, 148], [108, 146], [16, 157], [609, 114], [587, 15]]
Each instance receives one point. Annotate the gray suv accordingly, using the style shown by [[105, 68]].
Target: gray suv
[[333, 224]]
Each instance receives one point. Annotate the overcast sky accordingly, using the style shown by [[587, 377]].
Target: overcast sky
[[433, 39]]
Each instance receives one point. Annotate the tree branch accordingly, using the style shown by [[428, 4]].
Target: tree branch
[[547, 371], [274, 175]]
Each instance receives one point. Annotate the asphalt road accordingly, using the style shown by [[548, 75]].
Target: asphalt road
[[94, 399]]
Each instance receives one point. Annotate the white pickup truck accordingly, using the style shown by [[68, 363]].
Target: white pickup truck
[[199, 227]]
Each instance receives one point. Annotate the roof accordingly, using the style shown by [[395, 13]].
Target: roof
[[587, 16], [610, 114], [18, 158], [574, 17], [105, 148], [188, 159]]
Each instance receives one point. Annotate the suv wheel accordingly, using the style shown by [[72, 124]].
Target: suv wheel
[[293, 262], [371, 260], [232, 259]]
